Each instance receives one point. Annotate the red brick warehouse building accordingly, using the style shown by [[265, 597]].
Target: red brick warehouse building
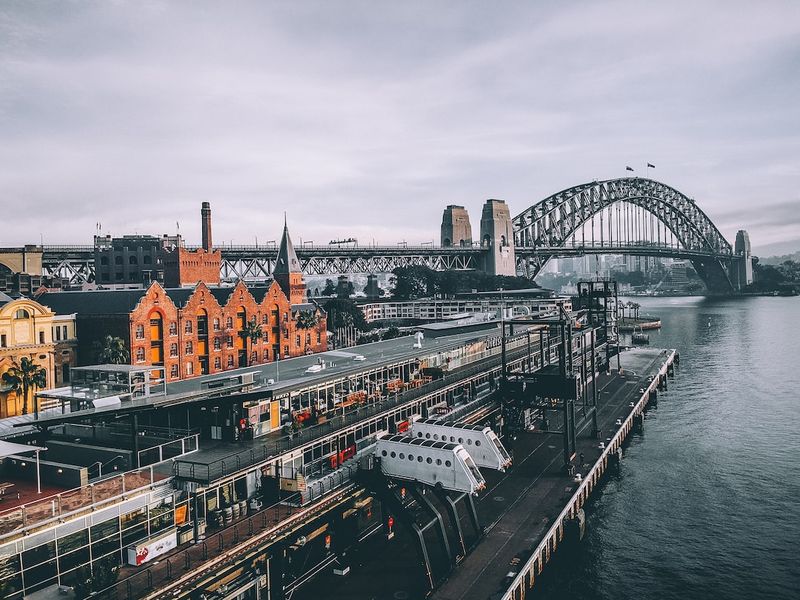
[[198, 330]]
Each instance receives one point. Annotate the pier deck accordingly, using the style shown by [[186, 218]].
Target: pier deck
[[518, 509]]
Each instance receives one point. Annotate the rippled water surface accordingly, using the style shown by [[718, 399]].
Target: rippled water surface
[[706, 503]]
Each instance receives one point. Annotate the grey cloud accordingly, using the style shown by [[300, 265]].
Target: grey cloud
[[367, 118]]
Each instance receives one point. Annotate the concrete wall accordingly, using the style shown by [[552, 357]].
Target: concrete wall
[[51, 473], [83, 454]]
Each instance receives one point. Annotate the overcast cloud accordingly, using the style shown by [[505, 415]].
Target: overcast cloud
[[365, 119]]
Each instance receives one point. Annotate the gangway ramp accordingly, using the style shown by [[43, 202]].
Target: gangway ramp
[[480, 442], [435, 463]]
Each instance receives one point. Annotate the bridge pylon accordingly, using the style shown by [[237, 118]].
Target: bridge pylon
[[497, 239]]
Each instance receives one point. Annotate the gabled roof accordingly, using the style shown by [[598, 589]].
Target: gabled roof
[[94, 302], [287, 261], [221, 294]]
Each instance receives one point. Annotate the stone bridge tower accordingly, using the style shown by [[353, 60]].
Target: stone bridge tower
[[456, 228], [497, 238], [743, 264]]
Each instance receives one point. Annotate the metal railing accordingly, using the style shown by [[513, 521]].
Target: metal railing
[[72, 503], [169, 450]]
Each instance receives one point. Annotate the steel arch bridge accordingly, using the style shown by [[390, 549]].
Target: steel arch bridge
[[637, 216], [629, 216]]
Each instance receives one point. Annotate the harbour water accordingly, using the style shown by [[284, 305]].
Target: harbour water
[[707, 503]]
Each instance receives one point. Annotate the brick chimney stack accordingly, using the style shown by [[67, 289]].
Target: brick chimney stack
[[206, 215]]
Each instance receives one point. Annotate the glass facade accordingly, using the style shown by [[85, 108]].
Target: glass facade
[[57, 561]]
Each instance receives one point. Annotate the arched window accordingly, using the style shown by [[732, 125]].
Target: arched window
[[117, 260], [103, 260], [22, 314], [487, 240], [132, 260]]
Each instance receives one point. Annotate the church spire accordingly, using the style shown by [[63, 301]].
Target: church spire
[[287, 261], [288, 272]]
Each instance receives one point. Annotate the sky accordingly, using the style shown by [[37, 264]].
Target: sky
[[365, 119]]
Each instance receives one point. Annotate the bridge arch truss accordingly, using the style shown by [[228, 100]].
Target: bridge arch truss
[[547, 226]]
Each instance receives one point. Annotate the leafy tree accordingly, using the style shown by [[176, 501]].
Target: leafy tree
[[413, 282], [343, 312], [392, 333], [329, 289], [252, 332], [112, 351], [25, 377], [307, 319]]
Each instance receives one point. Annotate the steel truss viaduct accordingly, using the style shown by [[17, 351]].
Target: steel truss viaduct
[[630, 216]]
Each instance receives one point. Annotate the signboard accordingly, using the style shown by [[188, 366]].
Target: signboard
[[147, 550]]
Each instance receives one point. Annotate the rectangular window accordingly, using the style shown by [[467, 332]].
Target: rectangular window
[[265, 320], [57, 332], [217, 363], [190, 368], [188, 327], [41, 337], [173, 371], [173, 328], [140, 332], [297, 341], [229, 341], [217, 344], [64, 335], [230, 361], [3, 341], [189, 348], [216, 324], [173, 350]]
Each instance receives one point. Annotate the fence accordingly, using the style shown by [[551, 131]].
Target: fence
[[168, 450], [73, 503]]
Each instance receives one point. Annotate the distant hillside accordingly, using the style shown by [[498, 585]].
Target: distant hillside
[[777, 260], [777, 249]]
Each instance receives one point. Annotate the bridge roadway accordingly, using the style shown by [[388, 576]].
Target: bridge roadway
[[517, 509]]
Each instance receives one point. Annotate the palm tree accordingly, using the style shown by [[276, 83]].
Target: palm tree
[[636, 306], [307, 319], [252, 331], [112, 351], [25, 377]]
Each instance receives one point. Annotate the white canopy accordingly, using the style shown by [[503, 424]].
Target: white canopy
[[10, 448]]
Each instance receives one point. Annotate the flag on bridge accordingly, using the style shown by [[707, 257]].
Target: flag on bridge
[[629, 168], [652, 166]]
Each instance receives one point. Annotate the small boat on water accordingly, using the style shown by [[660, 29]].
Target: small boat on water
[[640, 337]]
